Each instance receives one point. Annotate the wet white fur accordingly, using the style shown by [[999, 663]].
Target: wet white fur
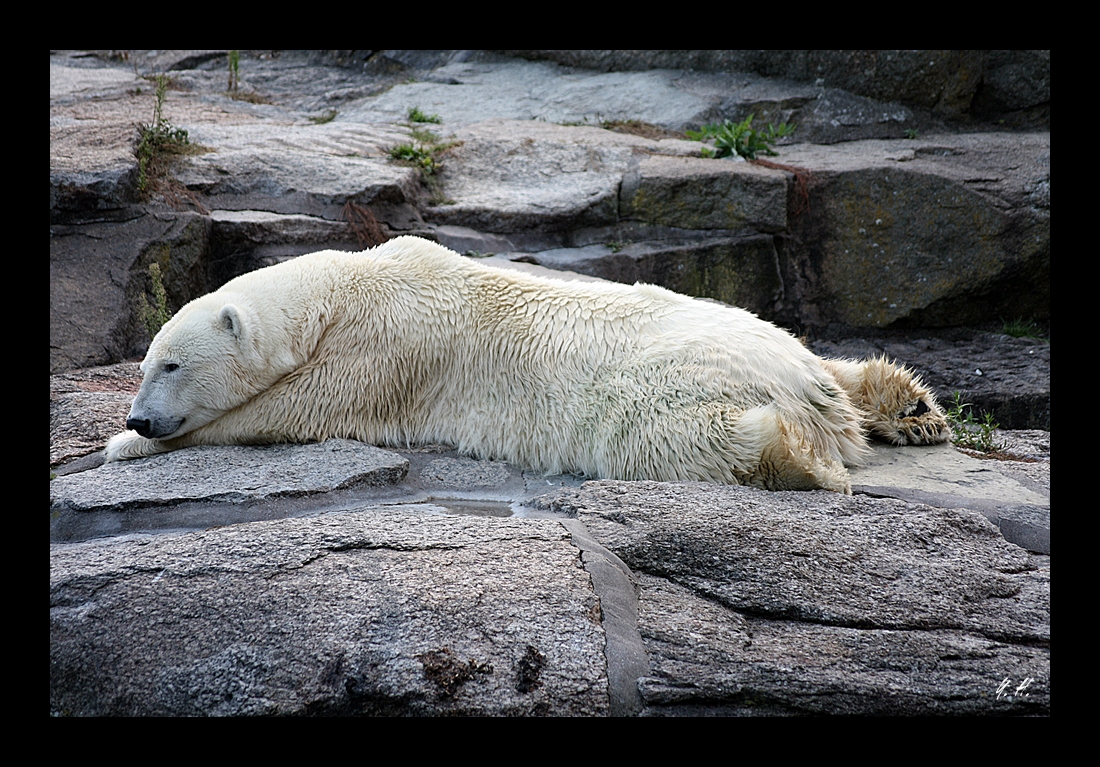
[[411, 343]]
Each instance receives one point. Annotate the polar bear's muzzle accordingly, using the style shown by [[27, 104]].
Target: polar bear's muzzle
[[154, 429]]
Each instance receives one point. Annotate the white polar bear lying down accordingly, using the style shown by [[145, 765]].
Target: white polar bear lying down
[[411, 343]]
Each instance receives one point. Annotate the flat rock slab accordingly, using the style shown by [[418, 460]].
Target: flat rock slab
[[462, 93], [821, 557], [944, 477], [708, 660], [377, 611], [233, 474], [740, 601], [511, 176], [298, 167], [756, 602]]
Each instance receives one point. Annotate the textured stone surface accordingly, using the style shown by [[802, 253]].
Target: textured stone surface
[[377, 611], [227, 474]]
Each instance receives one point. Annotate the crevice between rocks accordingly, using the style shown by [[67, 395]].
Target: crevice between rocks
[[617, 589]]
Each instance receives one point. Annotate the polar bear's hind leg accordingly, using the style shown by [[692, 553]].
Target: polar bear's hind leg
[[716, 442], [789, 461]]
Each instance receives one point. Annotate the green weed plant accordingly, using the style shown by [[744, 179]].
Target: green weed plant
[[157, 138], [424, 152], [741, 138], [417, 116], [1023, 328], [153, 316], [234, 71], [970, 432]]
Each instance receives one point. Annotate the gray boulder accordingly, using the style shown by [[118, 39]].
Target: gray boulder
[[377, 611], [628, 598]]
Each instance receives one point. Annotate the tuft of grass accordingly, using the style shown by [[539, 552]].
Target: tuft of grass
[[153, 316], [415, 154], [417, 116], [327, 117], [233, 89], [157, 138], [234, 71], [969, 432], [425, 152], [741, 138], [1023, 328], [912, 133]]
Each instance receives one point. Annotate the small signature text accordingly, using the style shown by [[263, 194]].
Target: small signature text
[[1008, 689]]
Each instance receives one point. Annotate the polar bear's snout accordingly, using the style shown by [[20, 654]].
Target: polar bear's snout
[[142, 426], [153, 429]]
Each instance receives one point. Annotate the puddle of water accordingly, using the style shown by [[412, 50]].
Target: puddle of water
[[473, 508]]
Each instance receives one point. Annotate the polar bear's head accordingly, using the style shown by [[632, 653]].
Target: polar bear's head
[[205, 361]]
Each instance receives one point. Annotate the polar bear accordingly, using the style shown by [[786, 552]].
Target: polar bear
[[411, 343]]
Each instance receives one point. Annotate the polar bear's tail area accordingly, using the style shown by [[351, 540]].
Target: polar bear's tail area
[[788, 457]]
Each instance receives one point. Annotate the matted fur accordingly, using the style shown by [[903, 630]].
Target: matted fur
[[411, 343]]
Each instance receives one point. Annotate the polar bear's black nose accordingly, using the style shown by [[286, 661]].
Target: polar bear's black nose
[[142, 426]]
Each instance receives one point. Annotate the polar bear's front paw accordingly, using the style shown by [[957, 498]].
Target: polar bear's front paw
[[130, 444]]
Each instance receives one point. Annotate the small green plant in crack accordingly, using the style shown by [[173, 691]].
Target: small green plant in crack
[[153, 316], [741, 138], [233, 89], [1023, 328], [912, 133], [414, 154], [417, 116], [424, 152], [234, 71], [157, 138], [969, 432]]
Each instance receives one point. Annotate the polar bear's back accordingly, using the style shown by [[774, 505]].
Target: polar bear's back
[[432, 297], [531, 363]]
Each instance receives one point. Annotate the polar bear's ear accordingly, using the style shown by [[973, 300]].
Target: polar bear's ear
[[234, 321]]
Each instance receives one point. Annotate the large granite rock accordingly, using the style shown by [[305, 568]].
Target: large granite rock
[[374, 611], [625, 598]]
